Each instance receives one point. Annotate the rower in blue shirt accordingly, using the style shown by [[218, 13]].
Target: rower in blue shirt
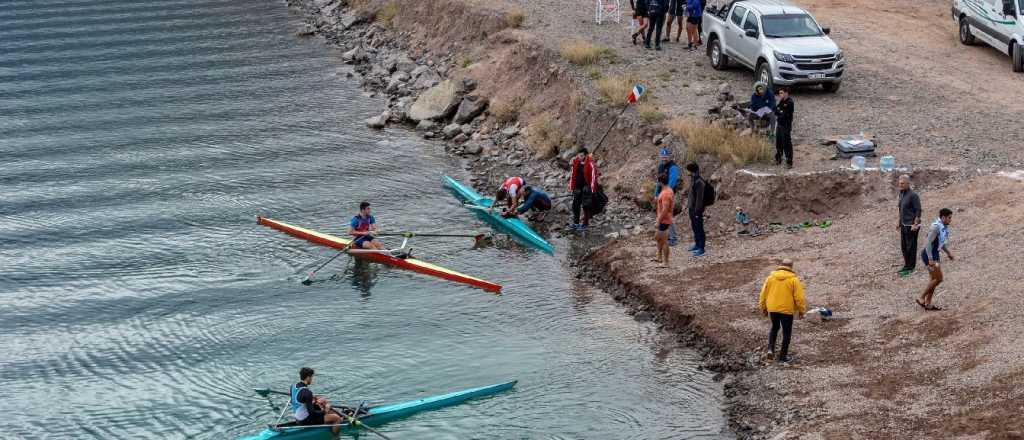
[[363, 225]]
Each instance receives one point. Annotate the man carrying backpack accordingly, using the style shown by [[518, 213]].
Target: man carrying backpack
[[700, 196]]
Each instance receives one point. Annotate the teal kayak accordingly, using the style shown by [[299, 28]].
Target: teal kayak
[[512, 226], [378, 414]]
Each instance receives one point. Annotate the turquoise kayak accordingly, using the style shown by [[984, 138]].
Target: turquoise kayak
[[378, 414], [512, 226]]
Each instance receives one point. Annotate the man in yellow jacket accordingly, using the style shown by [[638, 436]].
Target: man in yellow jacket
[[782, 296]]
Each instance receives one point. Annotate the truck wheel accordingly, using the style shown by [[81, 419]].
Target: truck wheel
[[1017, 57], [831, 87], [719, 60], [764, 74], [966, 37]]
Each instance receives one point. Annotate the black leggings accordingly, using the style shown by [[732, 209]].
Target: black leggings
[[784, 143], [577, 207], [657, 20], [786, 322]]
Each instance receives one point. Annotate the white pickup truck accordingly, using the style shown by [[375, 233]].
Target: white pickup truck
[[780, 42], [999, 23]]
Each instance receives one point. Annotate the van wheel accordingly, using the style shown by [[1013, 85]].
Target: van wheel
[[966, 37], [764, 74], [719, 60], [831, 87], [1017, 57]]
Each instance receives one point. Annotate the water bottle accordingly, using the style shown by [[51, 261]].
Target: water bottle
[[887, 163], [857, 163]]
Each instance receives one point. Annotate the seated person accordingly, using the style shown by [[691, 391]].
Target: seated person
[[762, 105]]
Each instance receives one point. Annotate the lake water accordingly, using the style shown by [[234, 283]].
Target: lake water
[[139, 299]]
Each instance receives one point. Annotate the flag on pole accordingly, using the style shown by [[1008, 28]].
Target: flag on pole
[[634, 96]]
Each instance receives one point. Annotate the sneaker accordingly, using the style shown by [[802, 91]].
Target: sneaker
[[658, 47], [698, 253], [692, 248], [770, 355], [647, 46], [905, 273], [673, 242], [573, 226], [786, 360], [634, 38]]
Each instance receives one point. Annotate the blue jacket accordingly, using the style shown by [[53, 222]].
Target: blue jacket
[[693, 8], [673, 177], [757, 102], [535, 196]]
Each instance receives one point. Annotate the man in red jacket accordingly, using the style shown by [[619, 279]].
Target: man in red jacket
[[582, 184]]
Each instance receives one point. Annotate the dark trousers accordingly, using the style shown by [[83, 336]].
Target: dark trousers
[[784, 143], [657, 20], [908, 243], [786, 322], [577, 205], [697, 224]]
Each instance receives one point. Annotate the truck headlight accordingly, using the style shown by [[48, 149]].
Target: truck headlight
[[786, 58]]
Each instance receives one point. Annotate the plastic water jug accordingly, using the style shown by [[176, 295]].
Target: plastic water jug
[[887, 163], [857, 163]]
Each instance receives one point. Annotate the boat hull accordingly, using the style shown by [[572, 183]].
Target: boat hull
[[515, 227], [379, 414], [383, 258]]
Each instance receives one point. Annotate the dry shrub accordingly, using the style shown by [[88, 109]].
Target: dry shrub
[[505, 110], [650, 113], [515, 18], [584, 53], [387, 13], [594, 73], [544, 136], [724, 142], [615, 89]]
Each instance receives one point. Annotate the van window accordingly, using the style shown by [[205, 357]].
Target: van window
[[737, 15]]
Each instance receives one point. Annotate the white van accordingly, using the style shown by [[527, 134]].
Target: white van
[[999, 23]]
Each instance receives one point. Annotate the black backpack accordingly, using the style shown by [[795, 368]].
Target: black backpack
[[709, 193]]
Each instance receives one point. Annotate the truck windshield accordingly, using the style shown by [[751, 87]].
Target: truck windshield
[[790, 26]]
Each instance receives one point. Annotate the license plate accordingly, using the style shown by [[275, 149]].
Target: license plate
[[816, 76]]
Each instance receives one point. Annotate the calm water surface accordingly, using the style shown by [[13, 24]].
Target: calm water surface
[[139, 299]]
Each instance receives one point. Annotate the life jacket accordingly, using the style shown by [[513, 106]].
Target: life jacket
[[513, 185], [298, 408]]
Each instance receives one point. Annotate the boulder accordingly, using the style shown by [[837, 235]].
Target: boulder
[[379, 121], [510, 131], [460, 138], [468, 84], [473, 148], [451, 130], [425, 125], [469, 108], [346, 21], [438, 102], [405, 64], [724, 89], [419, 70], [355, 56], [427, 79]]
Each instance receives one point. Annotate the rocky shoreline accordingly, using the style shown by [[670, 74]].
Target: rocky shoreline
[[427, 93]]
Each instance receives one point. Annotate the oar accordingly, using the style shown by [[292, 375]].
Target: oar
[[354, 421], [417, 234], [263, 392], [309, 279]]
